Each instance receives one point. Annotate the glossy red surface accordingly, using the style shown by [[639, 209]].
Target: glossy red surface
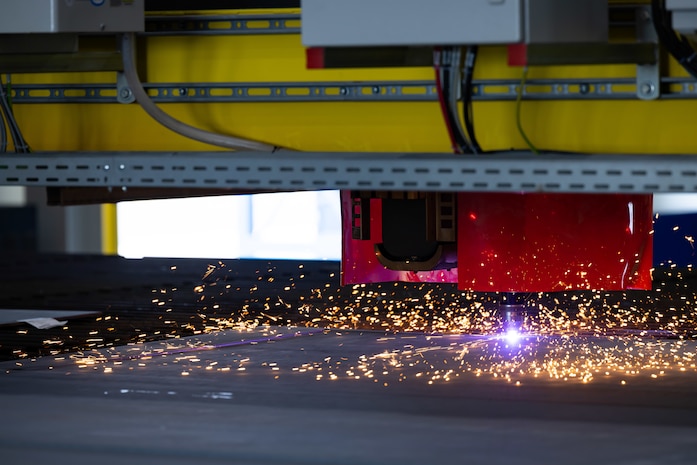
[[554, 242], [528, 243]]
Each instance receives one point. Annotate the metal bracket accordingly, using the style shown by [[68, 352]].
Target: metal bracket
[[180, 25], [124, 94], [648, 75]]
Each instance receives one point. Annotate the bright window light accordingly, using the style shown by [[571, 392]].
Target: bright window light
[[298, 225], [668, 204]]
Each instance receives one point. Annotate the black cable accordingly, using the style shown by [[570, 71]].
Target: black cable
[[452, 118], [19, 142], [3, 132], [6, 116], [454, 93], [443, 65], [677, 45], [466, 90], [16, 134]]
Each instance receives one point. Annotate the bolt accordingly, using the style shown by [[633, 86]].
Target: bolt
[[124, 188], [584, 88], [106, 167], [122, 167], [183, 91], [647, 88], [376, 89], [125, 93], [343, 91]]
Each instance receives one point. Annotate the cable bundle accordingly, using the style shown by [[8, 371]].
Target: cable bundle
[[452, 74], [677, 45], [7, 117]]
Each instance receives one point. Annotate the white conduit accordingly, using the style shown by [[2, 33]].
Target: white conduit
[[221, 140]]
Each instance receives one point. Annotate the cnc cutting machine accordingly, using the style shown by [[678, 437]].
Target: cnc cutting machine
[[442, 178]]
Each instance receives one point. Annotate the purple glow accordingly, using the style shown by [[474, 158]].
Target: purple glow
[[512, 337]]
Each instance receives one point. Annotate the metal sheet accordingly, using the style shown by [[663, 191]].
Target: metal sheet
[[15, 317], [355, 398]]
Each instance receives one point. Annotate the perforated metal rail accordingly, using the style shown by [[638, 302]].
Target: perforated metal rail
[[366, 91], [294, 171]]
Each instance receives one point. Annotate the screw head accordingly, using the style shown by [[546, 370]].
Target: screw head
[[107, 167], [125, 93], [647, 88]]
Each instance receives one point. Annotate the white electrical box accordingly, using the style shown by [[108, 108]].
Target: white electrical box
[[356, 23], [684, 14], [72, 16]]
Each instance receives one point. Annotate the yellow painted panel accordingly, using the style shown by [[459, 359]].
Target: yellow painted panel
[[109, 235], [590, 126], [598, 126]]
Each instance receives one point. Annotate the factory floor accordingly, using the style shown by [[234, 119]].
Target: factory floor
[[298, 396], [290, 393]]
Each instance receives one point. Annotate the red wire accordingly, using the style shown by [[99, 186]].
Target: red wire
[[443, 104]]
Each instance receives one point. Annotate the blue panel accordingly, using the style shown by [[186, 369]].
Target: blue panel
[[674, 240]]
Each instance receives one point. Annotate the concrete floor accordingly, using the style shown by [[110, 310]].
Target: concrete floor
[[257, 397]]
